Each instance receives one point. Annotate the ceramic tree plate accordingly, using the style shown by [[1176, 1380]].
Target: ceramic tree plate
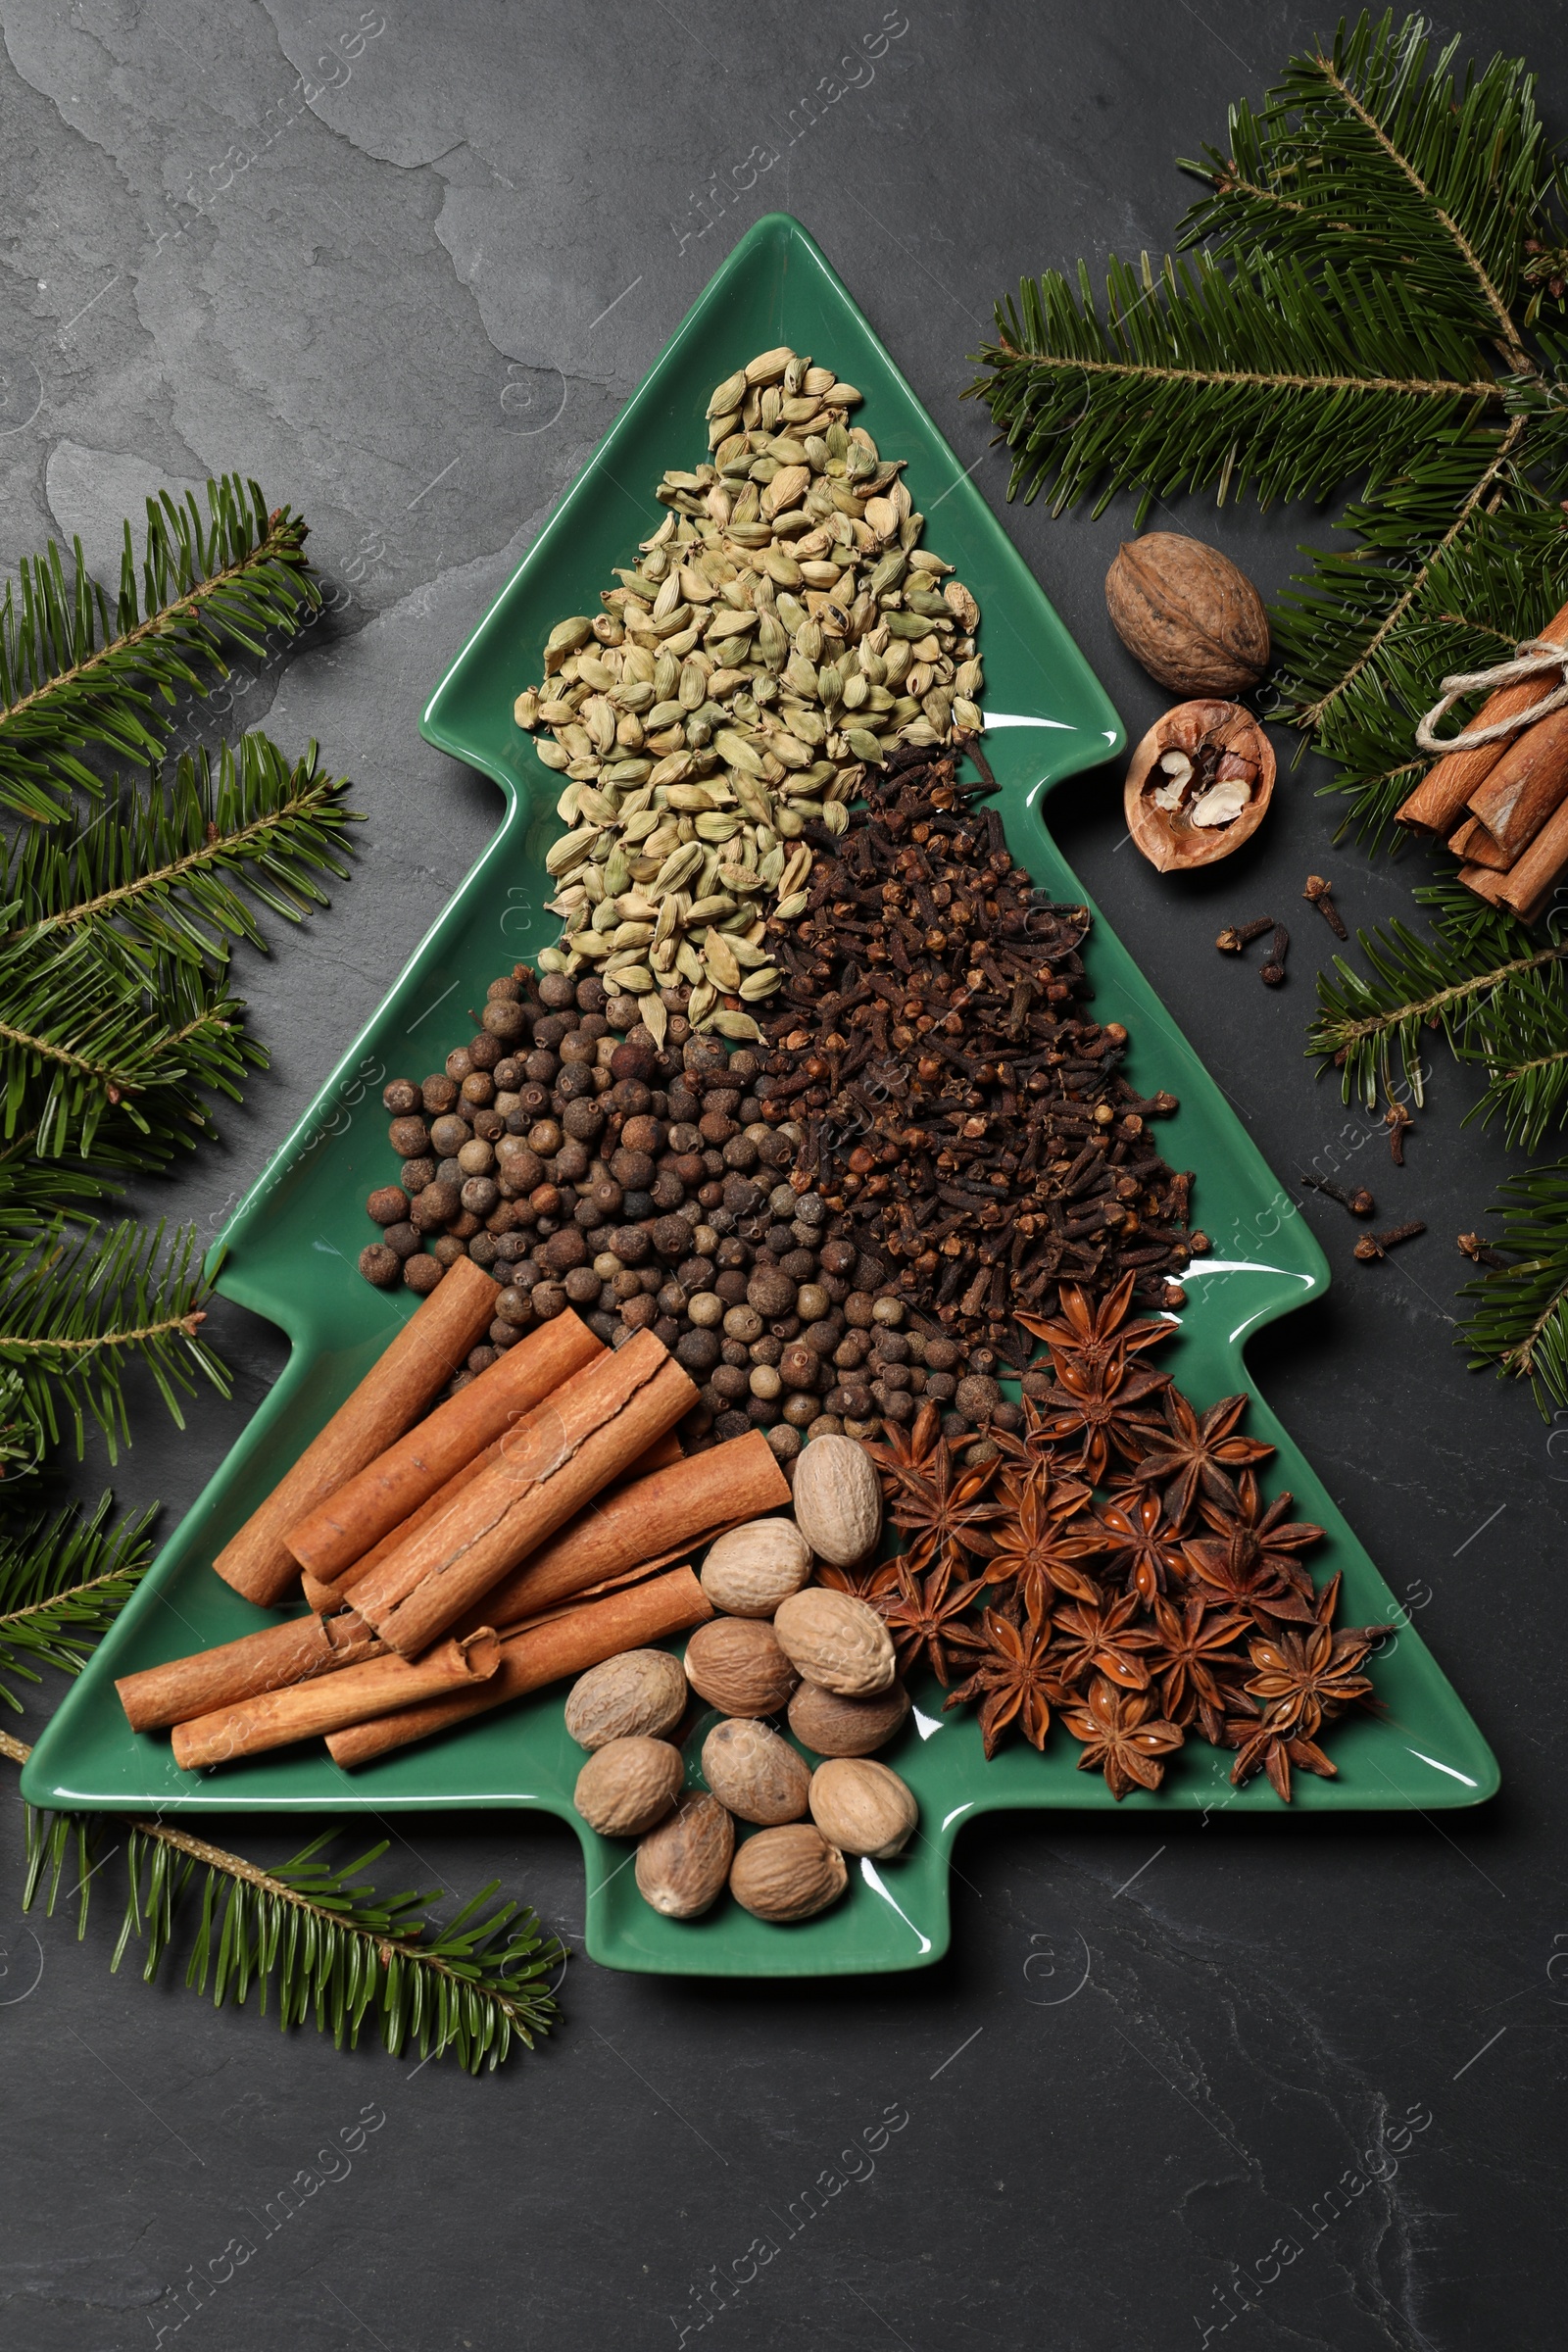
[[290, 1254]]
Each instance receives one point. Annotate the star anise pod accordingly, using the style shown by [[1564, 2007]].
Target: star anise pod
[[1037, 1551], [1235, 1573], [1086, 1414], [1194, 1641], [1012, 1676], [924, 1616], [903, 1456], [1099, 1638], [1093, 1335], [1197, 1452], [1304, 1678], [881, 1581], [1142, 1549], [1274, 1538], [1277, 1752], [944, 1509], [1122, 1737]]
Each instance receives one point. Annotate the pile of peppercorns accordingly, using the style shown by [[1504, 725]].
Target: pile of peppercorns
[[586, 1167]]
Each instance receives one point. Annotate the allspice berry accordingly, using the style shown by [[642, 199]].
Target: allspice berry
[[381, 1265]]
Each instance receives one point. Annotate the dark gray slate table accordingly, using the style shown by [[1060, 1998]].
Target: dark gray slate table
[[412, 314]]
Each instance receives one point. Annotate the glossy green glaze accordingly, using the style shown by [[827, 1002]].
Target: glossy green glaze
[[290, 1250]]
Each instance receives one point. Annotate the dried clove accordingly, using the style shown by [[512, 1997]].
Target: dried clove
[[1378, 1244], [1237, 936], [1272, 973], [1397, 1119], [1360, 1203], [1481, 1252], [1317, 890], [963, 1120]]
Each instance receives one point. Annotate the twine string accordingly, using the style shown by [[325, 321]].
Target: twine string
[[1535, 658]]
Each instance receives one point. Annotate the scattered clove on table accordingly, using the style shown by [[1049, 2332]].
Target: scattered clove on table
[[1237, 936], [1397, 1119], [1479, 1250], [1317, 892], [1360, 1203], [1373, 1246], [1272, 973]]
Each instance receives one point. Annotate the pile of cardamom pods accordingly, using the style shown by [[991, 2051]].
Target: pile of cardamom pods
[[783, 628]]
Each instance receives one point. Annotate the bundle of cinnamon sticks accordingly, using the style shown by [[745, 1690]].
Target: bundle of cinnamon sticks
[[454, 1559], [1507, 799]]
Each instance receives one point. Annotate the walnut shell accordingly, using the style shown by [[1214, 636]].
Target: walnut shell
[[736, 1663], [862, 1807], [643, 1692], [1188, 615], [754, 1773], [835, 1640], [628, 1784], [1169, 840], [787, 1873], [838, 1500], [681, 1866], [831, 1726], [749, 1571]]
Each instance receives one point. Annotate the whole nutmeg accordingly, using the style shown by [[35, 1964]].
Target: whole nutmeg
[[788, 1873], [838, 1501], [862, 1807], [642, 1692], [754, 1773], [832, 1639], [628, 1784], [736, 1663], [681, 1866], [749, 1571], [831, 1726], [1188, 615]]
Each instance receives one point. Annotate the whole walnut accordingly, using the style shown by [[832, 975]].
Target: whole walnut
[[1189, 615]]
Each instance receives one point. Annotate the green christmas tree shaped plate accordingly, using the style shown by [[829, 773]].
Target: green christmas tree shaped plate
[[290, 1250]]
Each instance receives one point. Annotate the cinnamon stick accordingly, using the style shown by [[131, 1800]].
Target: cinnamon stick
[[547, 1468], [296, 1651], [540, 1654], [644, 1523], [1526, 784], [1485, 881], [415, 1366], [358, 1695], [658, 1456], [329, 1540], [1527, 887], [1439, 801]]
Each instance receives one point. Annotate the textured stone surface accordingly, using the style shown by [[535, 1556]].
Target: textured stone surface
[[1158, 2048]]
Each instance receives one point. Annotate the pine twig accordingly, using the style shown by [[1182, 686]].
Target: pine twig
[[75, 675], [62, 1585], [332, 1949]]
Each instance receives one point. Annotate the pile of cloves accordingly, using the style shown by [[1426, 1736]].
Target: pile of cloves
[[959, 1110]]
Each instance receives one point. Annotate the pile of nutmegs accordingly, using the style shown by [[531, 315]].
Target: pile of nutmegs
[[778, 1643]]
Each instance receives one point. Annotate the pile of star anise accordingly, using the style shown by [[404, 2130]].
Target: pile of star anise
[[1176, 1602]]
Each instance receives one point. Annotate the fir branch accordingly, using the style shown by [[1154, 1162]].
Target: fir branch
[[332, 1949], [1520, 1319], [77, 1311], [98, 1024], [1351, 315], [166, 867], [63, 1582], [76, 675]]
